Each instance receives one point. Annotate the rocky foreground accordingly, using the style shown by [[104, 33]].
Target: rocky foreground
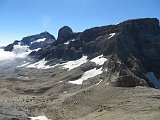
[[103, 73]]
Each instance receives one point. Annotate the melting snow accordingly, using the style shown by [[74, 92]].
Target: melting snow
[[111, 35], [153, 78], [24, 65], [88, 74], [99, 82], [69, 41], [36, 49], [41, 40], [73, 64], [99, 60], [39, 118], [40, 65]]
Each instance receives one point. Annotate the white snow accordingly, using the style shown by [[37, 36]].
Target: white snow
[[88, 74], [40, 65], [73, 64], [39, 118], [69, 41], [99, 60], [99, 82], [41, 40], [36, 49], [24, 65], [153, 78], [111, 35]]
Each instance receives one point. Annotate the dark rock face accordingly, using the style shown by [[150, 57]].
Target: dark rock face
[[131, 46], [65, 33], [9, 47], [31, 41], [27, 40]]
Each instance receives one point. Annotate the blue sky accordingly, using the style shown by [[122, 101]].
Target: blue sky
[[20, 18]]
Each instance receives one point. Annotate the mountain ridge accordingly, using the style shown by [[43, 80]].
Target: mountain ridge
[[101, 73], [105, 40]]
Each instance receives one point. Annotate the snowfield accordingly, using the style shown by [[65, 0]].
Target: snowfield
[[39, 65], [41, 40], [39, 118], [69, 41], [88, 74], [73, 64], [100, 60], [24, 65], [111, 35]]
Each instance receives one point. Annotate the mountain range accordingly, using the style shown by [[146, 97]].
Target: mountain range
[[92, 74]]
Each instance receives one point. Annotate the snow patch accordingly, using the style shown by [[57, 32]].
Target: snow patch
[[69, 41], [73, 64], [111, 35], [41, 40], [39, 118], [24, 65], [99, 82], [36, 49], [88, 74], [99, 60], [40, 65]]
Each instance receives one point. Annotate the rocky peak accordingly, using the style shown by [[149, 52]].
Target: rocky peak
[[65, 33], [31, 41], [46, 35], [145, 24], [27, 40]]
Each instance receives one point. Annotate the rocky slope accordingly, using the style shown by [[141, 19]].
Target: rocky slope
[[95, 74]]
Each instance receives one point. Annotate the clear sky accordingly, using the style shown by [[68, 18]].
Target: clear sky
[[20, 18]]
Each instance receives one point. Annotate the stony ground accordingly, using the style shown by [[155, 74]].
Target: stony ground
[[53, 96]]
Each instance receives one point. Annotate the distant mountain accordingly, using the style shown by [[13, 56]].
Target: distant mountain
[[33, 42]]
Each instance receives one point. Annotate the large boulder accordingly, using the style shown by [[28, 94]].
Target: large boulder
[[65, 33]]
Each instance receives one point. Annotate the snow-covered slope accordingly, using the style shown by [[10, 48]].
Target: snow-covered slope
[[39, 118], [88, 74]]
